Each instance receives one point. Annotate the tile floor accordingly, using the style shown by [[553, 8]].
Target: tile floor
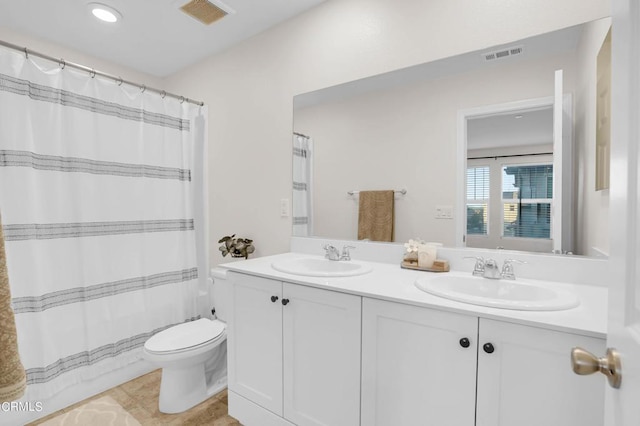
[[140, 398]]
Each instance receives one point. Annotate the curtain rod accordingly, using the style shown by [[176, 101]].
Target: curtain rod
[[92, 72], [508, 156], [397, 191], [300, 134]]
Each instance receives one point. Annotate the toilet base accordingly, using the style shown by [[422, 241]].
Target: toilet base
[[182, 388]]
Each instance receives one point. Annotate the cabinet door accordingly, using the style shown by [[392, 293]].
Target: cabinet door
[[416, 369], [527, 379], [321, 332], [255, 341]]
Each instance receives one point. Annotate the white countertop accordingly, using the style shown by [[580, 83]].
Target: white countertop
[[393, 283]]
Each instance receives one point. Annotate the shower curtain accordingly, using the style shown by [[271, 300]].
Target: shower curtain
[[302, 206], [101, 194]]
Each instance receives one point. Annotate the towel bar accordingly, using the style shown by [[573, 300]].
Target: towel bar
[[400, 191]]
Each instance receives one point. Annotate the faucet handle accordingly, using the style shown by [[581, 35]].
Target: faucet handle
[[478, 258], [329, 249], [346, 255], [507, 269], [478, 268], [332, 252]]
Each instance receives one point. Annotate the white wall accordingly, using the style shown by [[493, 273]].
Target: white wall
[[249, 88], [592, 205], [405, 137]]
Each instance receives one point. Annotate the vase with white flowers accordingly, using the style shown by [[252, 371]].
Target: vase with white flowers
[[411, 253]]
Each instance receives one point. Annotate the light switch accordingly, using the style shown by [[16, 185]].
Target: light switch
[[444, 212], [284, 207]]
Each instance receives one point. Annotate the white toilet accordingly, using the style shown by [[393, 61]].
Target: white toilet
[[182, 351]]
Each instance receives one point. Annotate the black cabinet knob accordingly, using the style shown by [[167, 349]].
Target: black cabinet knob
[[285, 301], [274, 299], [464, 342], [488, 348]]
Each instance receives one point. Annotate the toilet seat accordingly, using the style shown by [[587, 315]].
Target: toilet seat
[[186, 337]]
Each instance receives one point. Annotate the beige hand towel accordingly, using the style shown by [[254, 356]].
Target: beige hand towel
[[12, 375], [375, 216]]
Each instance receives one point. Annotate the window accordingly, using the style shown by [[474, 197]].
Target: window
[[509, 204], [527, 192], [477, 200]]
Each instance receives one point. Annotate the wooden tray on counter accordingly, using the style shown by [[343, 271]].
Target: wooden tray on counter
[[414, 266]]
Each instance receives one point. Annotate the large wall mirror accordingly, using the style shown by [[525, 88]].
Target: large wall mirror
[[468, 144]]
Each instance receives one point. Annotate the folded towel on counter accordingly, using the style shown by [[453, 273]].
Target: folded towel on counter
[[12, 375], [375, 215]]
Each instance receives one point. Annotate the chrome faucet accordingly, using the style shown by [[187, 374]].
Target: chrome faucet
[[489, 268], [332, 253], [346, 255]]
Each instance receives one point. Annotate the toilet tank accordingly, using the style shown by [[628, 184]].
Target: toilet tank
[[220, 293]]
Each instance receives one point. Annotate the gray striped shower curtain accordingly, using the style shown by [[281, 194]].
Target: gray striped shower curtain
[[302, 205], [101, 194]]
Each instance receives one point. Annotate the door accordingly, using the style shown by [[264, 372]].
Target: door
[[255, 340], [418, 366], [321, 356], [621, 405], [562, 229], [556, 231], [524, 379]]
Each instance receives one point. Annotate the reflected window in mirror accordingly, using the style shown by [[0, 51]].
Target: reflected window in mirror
[[477, 200], [509, 202], [527, 196]]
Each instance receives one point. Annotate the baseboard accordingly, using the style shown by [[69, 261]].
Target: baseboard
[[250, 414], [77, 393]]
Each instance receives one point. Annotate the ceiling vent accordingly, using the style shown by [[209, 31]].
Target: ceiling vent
[[503, 53], [205, 11]]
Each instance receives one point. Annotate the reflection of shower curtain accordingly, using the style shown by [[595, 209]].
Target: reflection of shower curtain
[[102, 207], [302, 186]]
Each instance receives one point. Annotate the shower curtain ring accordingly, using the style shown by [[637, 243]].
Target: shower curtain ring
[[181, 99], [93, 73], [62, 63], [119, 81], [143, 88], [163, 94], [26, 53]]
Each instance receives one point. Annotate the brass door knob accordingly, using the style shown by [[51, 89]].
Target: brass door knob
[[584, 362]]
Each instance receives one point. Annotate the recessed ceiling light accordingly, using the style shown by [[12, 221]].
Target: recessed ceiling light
[[104, 13], [518, 116]]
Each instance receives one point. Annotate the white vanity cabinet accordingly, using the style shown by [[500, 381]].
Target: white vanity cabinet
[[418, 369], [525, 378], [294, 354]]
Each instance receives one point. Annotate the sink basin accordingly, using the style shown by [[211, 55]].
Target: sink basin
[[505, 294], [317, 267]]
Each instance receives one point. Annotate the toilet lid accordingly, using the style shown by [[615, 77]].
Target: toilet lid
[[185, 335]]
